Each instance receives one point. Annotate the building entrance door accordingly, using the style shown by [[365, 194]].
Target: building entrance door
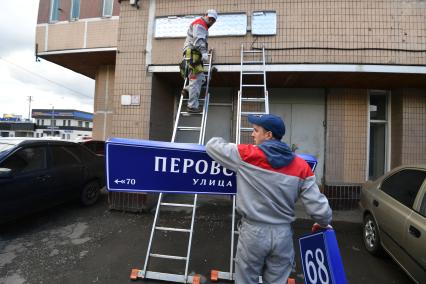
[[303, 111]]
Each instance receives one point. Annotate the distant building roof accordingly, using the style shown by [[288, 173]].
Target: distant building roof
[[62, 114]]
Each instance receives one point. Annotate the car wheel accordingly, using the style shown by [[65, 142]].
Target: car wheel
[[90, 193], [371, 236]]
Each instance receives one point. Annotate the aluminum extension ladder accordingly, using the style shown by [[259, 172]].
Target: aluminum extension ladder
[[252, 99], [179, 278]]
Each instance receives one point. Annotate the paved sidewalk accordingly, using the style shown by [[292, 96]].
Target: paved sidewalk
[[71, 244]]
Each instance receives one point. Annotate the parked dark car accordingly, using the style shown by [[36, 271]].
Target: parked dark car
[[394, 208], [37, 173]]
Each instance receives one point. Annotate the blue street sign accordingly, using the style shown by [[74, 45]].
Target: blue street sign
[[321, 259], [153, 166]]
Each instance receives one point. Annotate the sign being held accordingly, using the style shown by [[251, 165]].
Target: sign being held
[[321, 259], [152, 166]]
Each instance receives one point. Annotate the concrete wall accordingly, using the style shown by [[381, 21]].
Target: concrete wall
[[396, 128], [131, 76], [346, 136], [333, 31], [88, 9], [103, 110], [99, 33], [162, 110], [413, 148]]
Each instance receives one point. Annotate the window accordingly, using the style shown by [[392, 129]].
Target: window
[[64, 122], [83, 154], [26, 160], [404, 185], [38, 121], [86, 124], [378, 134], [63, 156], [54, 10], [107, 8], [42, 122], [69, 122], [75, 10], [80, 123]]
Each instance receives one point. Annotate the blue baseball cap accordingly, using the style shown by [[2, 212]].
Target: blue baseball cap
[[270, 122]]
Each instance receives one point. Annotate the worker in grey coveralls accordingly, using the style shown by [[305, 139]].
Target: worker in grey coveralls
[[270, 179], [195, 50]]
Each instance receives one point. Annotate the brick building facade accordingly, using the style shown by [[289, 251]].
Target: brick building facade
[[348, 76]]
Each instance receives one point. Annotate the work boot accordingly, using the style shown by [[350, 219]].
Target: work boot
[[184, 93], [193, 109]]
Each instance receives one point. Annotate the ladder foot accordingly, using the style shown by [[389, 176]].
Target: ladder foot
[[134, 274], [214, 275], [291, 281]]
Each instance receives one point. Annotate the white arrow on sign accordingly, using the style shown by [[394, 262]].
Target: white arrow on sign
[[117, 181]]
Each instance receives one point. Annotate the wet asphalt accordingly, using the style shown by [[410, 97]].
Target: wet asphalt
[[74, 244]]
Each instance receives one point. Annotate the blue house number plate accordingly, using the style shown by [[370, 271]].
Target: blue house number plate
[[321, 259]]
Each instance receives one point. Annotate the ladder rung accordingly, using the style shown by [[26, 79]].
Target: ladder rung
[[189, 128], [252, 85], [168, 256], [200, 100], [176, 204], [185, 113], [174, 278], [252, 51], [252, 73], [246, 113], [246, 129], [253, 99], [172, 229], [252, 61]]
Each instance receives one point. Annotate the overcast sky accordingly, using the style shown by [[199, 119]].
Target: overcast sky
[[21, 76]]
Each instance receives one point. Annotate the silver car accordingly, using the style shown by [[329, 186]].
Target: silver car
[[394, 214]]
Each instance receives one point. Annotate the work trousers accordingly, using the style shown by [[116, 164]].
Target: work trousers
[[194, 88], [264, 250]]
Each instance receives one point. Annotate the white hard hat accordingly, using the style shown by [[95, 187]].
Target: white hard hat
[[212, 14]]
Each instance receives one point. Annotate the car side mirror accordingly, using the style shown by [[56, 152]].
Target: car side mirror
[[5, 173]]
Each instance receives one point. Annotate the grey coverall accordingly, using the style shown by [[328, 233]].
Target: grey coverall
[[196, 38], [265, 198]]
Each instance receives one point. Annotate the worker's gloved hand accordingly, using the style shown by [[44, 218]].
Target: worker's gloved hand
[[205, 57], [317, 227]]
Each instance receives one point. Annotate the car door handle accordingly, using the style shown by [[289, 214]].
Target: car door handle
[[414, 231], [376, 203]]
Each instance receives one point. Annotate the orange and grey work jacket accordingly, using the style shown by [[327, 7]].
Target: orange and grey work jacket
[[197, 36], [195, 45]]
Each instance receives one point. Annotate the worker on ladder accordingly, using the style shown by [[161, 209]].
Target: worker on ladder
[[195, 52], [270, 179]]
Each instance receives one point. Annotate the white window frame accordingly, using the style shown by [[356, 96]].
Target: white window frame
[[103, 9], [51, 11], [387, 123], [72, 8]]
